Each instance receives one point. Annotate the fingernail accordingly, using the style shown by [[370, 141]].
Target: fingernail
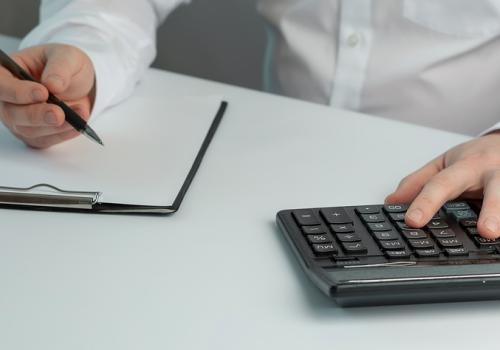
[[415, 215], [491, 224], [38, 95], [50, 118]]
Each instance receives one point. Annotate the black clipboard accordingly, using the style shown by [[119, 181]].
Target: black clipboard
[[48, 197]]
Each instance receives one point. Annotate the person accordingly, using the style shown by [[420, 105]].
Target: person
[[411, 60]]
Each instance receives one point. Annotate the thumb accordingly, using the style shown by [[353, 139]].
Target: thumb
[[67, 72]]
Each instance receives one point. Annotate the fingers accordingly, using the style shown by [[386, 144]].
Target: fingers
[[13, 90], [67, 72], [447, 184], [411, 185], [35, 115], [489, 218], [48, 141]]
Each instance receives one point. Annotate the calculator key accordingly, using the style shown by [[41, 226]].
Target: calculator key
[[373, 217], [437, 224], [421, 243], [368, 209], [397, 254], [450, 206], [403, 226], [342, 228], [463, 214], [481, 241], [323, 249], [305, 217], [397, 216], [395, 208], [313, 230], [322, 238], [468, 222], [437, 216], [414, 234], [472, 231], [379, 226], [392, 245], [335, 216], [348, 237], [427, 253], [386, 235], [442, 233], [456, 251], [449, 242], [354, 247]]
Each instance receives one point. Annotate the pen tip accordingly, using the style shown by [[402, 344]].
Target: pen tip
[[91, 134]]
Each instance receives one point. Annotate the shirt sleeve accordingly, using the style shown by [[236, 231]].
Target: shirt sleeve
[[119, 36], [495, 127]]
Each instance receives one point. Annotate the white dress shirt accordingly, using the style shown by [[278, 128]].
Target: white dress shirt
[[430, 62]]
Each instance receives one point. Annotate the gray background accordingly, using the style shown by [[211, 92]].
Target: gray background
[[221, 40]]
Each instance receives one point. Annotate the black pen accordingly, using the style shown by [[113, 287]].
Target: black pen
[[72, 117]]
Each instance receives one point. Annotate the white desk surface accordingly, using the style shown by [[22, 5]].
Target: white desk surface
[[218, 274]]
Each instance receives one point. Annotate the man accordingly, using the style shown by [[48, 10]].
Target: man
[[412, 60]]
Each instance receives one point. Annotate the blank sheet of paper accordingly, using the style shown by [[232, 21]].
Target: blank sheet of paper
[[150, 146]]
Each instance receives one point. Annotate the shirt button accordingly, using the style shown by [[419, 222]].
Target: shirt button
[[353, 39]]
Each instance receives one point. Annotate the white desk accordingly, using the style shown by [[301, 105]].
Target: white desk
[[218, 274]]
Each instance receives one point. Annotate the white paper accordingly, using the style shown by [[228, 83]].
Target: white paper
[[150, 146]]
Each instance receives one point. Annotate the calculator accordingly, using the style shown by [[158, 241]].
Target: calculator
[[367, 255]]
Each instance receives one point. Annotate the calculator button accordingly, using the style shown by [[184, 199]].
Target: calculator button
[[442, 233], [437, 224], [450, 206], [354, 247], [373, 217], [335, 216], [449, 242], [414, 234], [472, 231], [421, 243], [463, 214], [379, 226], [456, 251], [386, 235], [313, 230], [403, 226], [397, 216], [395, 208], [342, 228], [437, 216], [468, 222], [483, 242], [323, 238], [395, 254], [426, 253], [368, 209], [323, 249], [348, 237], [392, 245], [305, 217]]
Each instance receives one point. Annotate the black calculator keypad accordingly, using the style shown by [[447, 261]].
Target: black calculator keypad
[[341, 236]]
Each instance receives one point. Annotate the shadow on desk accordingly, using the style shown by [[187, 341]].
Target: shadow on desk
[[319, 306]]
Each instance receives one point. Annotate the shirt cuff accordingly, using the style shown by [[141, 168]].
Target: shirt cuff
[[495, 127], [118, 64]]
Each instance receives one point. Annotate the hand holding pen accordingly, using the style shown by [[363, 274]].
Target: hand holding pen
[[31, 110]]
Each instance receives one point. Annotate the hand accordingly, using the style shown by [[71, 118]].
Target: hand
[[65, 71], [470, 170]]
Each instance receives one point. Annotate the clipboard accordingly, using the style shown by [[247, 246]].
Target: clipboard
[[51, 197]]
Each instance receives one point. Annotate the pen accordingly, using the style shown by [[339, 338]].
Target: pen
[[72, 117]]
